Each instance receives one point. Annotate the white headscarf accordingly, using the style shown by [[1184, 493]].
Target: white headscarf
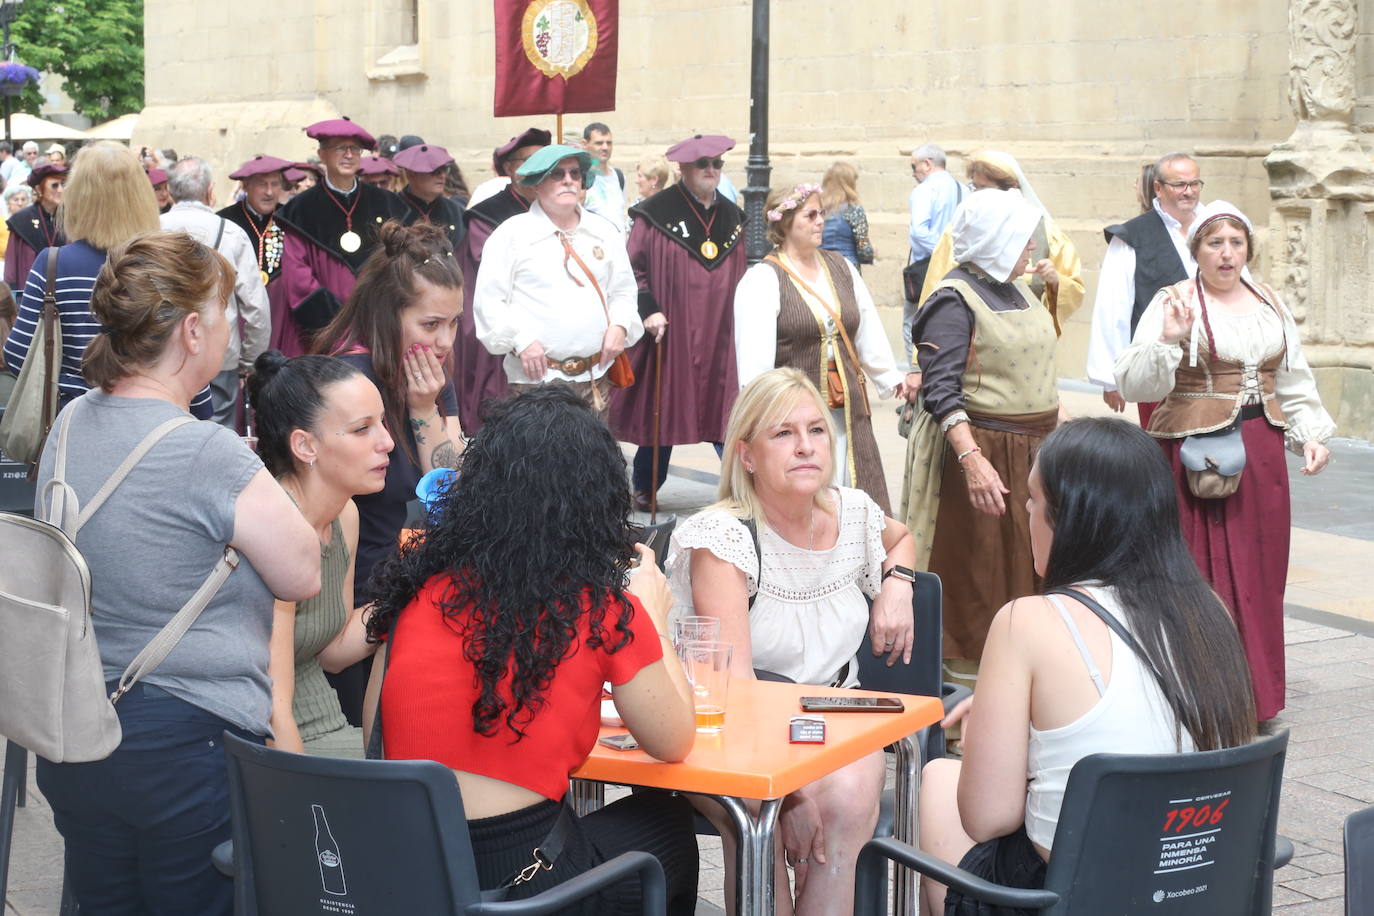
[[991, 229], [1006, 162]]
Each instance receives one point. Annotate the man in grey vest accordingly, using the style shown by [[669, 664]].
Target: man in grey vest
[[192, 192], [1144, 254]]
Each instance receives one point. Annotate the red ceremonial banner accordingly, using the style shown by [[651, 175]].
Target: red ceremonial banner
[[555, 56]]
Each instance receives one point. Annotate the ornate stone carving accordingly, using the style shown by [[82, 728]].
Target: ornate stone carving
[[1297, 276], [1322, 158], [1321, 74]]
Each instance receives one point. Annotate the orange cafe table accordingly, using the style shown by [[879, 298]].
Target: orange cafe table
[[752, 759]]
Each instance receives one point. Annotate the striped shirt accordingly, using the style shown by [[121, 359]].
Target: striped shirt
[[77, 267]]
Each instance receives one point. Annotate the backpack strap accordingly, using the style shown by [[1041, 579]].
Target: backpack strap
[[753, 527], [50, 355], [1107, 617], [220, 234]]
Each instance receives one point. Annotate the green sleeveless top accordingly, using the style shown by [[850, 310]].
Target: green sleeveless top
[[318, 620]]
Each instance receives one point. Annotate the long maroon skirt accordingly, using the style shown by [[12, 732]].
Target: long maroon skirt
[[1241, 545]]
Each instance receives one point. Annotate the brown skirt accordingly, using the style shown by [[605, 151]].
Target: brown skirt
[[984, 562]]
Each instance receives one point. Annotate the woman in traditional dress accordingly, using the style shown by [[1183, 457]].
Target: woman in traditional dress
[[1224, 354], [1056, 278], [806, 308], [789, 564], [985, 345]]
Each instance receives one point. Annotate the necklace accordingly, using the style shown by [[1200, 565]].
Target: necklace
[[418, 205], [262, 239], [709, 249], [43, 222], [811, 545], [350, 241]]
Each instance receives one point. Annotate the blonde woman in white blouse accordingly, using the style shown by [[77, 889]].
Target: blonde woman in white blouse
[[800, 609], [1223, 352]]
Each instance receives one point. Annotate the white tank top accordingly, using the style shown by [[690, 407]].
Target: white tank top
[[1131, 717]]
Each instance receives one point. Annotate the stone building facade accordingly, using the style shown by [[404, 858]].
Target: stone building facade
[[1082, 93]]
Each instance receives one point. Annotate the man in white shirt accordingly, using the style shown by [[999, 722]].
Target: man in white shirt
[[931, 204], [192, 193], [8, 164], [606, 195], [1144, 254], [555, 293]]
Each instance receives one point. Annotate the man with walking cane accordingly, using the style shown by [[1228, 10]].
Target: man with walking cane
[[687, 250]]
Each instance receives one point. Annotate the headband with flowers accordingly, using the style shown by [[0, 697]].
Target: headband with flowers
[[793, 200]]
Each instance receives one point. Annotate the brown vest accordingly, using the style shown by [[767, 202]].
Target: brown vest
[[800, 337], [1207, 396]]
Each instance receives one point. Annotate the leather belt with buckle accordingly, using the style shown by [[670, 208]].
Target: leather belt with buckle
[[578, 365]]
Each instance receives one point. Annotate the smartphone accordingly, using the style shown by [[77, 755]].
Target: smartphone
[[851, 704], [619, 742]]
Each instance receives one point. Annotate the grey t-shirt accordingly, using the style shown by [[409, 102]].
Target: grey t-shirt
[[155, 541]]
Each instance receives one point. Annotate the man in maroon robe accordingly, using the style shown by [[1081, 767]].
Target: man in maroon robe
[[480, 375], [687, 250], [331, 230], [263, 180], [425, 167], [32, 229]]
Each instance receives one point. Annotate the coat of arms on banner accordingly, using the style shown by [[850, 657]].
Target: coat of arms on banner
[[559, 36]]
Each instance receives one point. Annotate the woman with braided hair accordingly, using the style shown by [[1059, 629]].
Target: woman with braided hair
[[397, 328]]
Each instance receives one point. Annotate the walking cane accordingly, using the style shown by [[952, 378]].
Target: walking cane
[[658, 398]]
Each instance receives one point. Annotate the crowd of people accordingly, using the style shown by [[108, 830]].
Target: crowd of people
[[354, 322]]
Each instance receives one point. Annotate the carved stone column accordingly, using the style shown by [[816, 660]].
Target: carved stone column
[[1322, 223]]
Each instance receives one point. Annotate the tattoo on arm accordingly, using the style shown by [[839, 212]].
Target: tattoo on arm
[[416, 424], [446, 455]]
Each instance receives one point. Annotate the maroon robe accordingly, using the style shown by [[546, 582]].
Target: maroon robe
[[1241, 545], [316, 274], [31, 230], [696, 294], [478, 373]]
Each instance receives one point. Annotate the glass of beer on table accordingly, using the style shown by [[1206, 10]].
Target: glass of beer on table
[[707, 663]]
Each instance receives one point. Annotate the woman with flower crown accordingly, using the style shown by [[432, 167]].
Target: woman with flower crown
[[806, 308]]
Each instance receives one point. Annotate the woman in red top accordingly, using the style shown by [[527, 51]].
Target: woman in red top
[[502, 626]]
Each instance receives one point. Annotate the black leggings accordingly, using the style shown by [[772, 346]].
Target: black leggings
[[655, 822]]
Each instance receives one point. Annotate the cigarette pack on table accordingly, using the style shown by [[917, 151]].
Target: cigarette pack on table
[[806, 729]]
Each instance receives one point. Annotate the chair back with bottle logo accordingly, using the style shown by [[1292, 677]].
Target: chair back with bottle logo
[[323, 835], [1170, 834]]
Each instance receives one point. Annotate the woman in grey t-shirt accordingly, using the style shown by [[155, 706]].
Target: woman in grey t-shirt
[[139, 825]]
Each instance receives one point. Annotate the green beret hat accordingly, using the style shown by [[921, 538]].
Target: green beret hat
[[536, 168]]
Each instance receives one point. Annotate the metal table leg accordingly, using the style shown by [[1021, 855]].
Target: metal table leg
[[905, 888], [587, 795], [754, 859]]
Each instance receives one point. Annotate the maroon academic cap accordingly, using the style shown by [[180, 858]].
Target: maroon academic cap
[[423, 158], [532, 137], [377, 165], [49, 169], [293, 175], [260, 165], [155, 177], [337, 128], [699, 145]]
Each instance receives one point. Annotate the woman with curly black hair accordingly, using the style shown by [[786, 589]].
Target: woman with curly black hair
[[500, 629]]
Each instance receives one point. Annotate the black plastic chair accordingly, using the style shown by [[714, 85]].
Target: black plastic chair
[[925, 675], [1359, 863], [373, 836], [1195, 831]]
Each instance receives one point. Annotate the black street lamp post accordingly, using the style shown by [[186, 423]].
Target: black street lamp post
[[9, 11], [757, 171]]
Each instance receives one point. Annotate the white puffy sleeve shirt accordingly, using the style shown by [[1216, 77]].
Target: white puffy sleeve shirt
[[757, 303], [1145, 372], [528, 289], [810, 613]]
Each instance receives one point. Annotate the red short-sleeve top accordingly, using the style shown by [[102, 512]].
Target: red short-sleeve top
[[430, 688]]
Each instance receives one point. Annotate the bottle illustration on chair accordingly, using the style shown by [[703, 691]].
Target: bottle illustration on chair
[[327, 852]]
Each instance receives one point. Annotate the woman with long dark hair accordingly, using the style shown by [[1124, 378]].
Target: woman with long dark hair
[[397, 328], [322, 436], [1105, 525], [501, 627]]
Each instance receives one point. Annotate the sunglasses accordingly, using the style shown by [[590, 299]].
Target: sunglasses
[[812, 214], [705, 163], [574, 174]]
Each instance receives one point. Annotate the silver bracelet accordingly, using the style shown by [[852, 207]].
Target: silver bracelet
[[952, 420]]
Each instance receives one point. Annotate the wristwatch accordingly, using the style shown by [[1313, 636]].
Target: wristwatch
[[901, 572]]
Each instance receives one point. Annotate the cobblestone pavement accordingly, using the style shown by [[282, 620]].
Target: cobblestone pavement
[[1329, 631]]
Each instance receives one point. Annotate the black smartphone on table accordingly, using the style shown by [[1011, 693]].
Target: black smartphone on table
[[852, 704]]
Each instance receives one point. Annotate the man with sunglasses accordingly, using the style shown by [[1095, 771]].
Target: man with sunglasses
[[330, 231], [1144, 254], [687, 249], [426, 168], [555, 293], [478, 373]]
